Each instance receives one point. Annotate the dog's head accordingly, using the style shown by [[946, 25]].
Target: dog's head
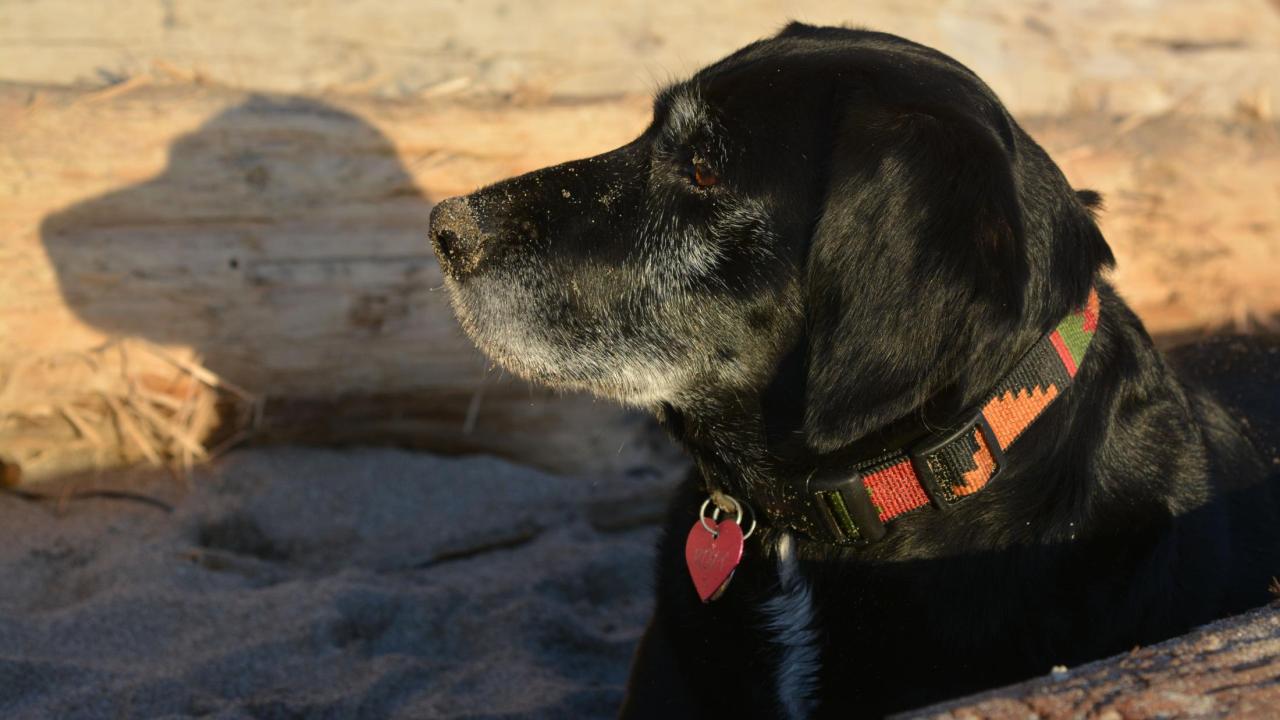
[[846, 203]]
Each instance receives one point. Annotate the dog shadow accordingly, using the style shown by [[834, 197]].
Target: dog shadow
[[283, 243], [265, 208]]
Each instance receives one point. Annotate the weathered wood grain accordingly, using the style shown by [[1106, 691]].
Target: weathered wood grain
[[1229, 669], [281, 242]]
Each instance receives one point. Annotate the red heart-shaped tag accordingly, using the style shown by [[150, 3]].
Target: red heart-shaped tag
[[712, 557]]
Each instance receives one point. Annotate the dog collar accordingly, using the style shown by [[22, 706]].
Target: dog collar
[[852, 508]]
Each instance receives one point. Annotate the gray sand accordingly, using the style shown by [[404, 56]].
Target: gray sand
[[307, 583]]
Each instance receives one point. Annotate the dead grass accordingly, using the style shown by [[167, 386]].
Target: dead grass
[[126, 401]]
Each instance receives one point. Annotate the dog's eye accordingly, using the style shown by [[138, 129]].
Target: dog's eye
[[703, 175]]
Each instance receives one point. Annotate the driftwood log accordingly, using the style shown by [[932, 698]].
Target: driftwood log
[[1125, 58], [266, 255], [1229, 669], [276, 245]]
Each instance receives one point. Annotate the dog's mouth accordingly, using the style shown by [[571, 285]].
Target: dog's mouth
[[484, 304], [517, 327], [528, 317], [505, 321], [499, 335]]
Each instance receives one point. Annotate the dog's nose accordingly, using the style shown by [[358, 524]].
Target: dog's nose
[[457, 238]]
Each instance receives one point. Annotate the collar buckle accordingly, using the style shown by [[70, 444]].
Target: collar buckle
[[932, 460], [846, 509]]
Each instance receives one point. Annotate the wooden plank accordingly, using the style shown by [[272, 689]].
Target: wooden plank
[[279, 243]]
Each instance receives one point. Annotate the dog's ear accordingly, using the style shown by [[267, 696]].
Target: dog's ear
[[921, 229]]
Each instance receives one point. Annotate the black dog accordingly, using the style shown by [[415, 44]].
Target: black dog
[[872, 309]]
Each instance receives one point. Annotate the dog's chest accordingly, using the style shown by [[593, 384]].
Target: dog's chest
[[790, 625]]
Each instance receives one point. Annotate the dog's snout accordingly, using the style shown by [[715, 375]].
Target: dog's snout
[[457, 238]]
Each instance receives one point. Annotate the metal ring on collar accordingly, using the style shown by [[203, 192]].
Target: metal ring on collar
[[715, 515]]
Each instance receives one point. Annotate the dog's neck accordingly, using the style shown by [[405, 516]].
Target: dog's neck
[[847, 495]]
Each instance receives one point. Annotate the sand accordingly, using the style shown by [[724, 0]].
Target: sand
[[291, 582]]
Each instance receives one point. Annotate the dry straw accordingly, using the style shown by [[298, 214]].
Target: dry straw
[[126, 401]]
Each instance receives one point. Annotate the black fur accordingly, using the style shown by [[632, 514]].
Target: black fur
[[882, 243]]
